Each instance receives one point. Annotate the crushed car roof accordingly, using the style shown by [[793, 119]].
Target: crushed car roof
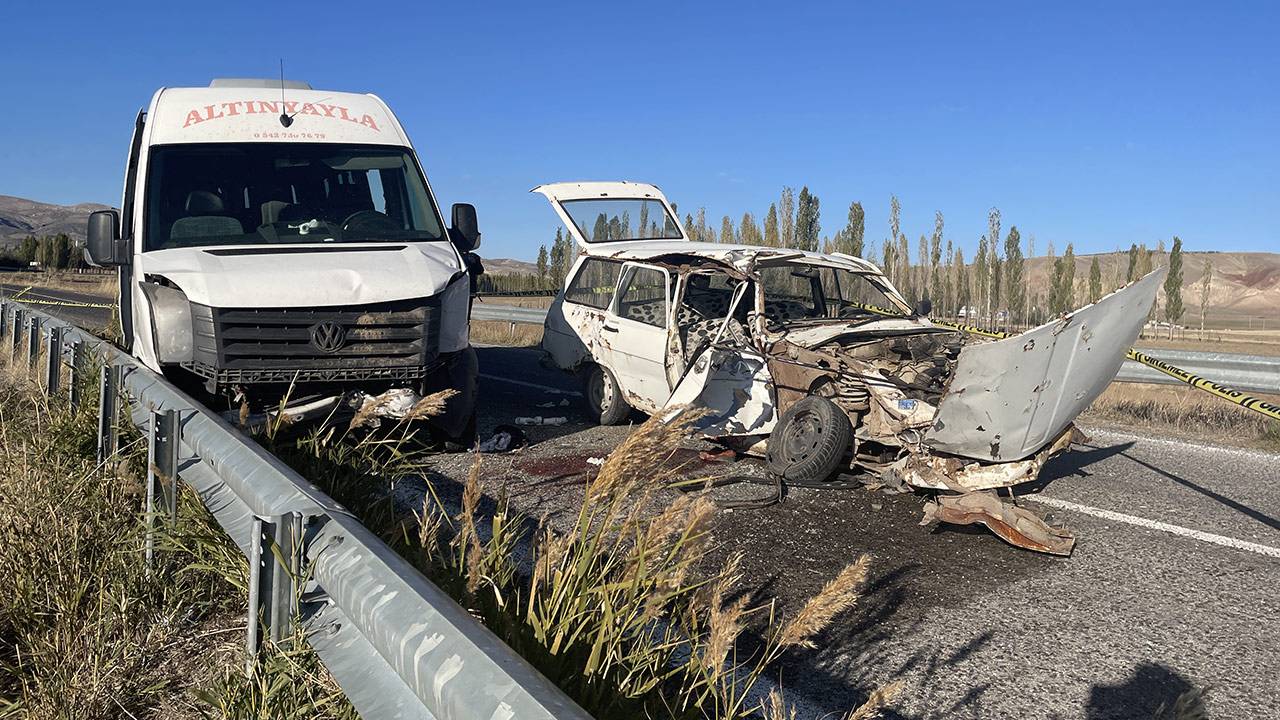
[[739, 256]]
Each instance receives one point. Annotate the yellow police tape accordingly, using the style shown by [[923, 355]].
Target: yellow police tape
[[1244, 400], [57, 303]]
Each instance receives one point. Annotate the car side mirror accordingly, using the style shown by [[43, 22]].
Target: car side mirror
[[103, 239], [923, 307], [465, 231]]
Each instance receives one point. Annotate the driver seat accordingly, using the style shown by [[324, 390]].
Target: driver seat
[[206, 217]]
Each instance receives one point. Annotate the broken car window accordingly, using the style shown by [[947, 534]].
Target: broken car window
[[798, 292], [254, 193], [593, 285], [618, 219], [643, 296]]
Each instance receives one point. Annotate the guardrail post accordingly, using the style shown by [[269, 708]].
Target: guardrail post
[[162, 475], [33, 342], [4, 317], [75, 376], [53, 361], [108, 394], [17, 332], [275, 559]]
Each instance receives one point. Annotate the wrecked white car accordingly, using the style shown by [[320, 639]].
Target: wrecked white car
[[818, 363]]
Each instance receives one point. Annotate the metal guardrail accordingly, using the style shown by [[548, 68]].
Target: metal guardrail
[[396, 644], [1255, 373]]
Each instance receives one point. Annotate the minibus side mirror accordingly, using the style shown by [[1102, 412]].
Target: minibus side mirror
[[465, 231], [103, 239]]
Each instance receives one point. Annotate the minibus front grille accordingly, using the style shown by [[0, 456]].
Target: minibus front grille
[[392, 340]]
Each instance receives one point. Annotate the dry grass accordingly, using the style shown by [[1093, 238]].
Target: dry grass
[[1184, 412], [1243, 343], [86, 630], [541, 301], [490, 332], [90, 284], [617, 609]]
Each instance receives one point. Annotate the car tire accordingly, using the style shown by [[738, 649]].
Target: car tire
[[605, 403], [809, 440]]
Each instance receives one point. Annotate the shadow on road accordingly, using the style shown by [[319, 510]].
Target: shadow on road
[[1150, 693], [1070, 464], [855, 652], [1243, 509]]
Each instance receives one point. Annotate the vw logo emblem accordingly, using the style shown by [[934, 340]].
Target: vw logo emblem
[[328, 336]]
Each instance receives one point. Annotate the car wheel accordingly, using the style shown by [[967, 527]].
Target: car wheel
[[809, 440], [605, 403]]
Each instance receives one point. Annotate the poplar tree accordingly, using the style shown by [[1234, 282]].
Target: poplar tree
[[922, 272], [771, 227], [1133, 263], [748, 231], [1095, 280], [1173, 308], [542, 265], [1064, 277], [981, 274], [997, 272], [787, 216], [993, 249], [935, 260], [807, 227], [888, 262], [902, 253], [1014, 288], [850, 240], [1205, 281], [962, 284], [726, 230], [559, 259], [948, 280]]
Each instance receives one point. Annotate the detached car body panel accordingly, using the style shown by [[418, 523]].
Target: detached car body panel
[[1009, 398]]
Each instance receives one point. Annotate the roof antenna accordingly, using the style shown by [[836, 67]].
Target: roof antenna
[[285, 119]]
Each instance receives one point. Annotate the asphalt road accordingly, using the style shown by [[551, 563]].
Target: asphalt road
[[91, 318], [1172, 584]]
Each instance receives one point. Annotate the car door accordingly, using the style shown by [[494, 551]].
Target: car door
[[633, 338]]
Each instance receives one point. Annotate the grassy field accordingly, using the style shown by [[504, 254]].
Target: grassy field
[[86, 630], [1183, 412], [89, 284]]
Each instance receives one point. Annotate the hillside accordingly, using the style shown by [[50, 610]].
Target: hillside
[[1244, 284], [507, 266], [20, 217]]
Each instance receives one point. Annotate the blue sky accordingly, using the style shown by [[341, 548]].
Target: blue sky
[[1099, 123]]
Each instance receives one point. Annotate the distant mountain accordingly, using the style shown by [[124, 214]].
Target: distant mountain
[[507, 266], [1244, 284], [20, 217]]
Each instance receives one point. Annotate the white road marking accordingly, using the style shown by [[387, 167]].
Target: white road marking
[[1184, 444], [545, 388], [1157, 525]]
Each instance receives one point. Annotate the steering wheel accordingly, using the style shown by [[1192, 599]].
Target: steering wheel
[[369, 220]]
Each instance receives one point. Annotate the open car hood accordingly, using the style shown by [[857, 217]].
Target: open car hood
[[1009, 398], [289, 275]]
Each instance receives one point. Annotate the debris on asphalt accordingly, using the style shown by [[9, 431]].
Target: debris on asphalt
[[540, 420], [505, 438]]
